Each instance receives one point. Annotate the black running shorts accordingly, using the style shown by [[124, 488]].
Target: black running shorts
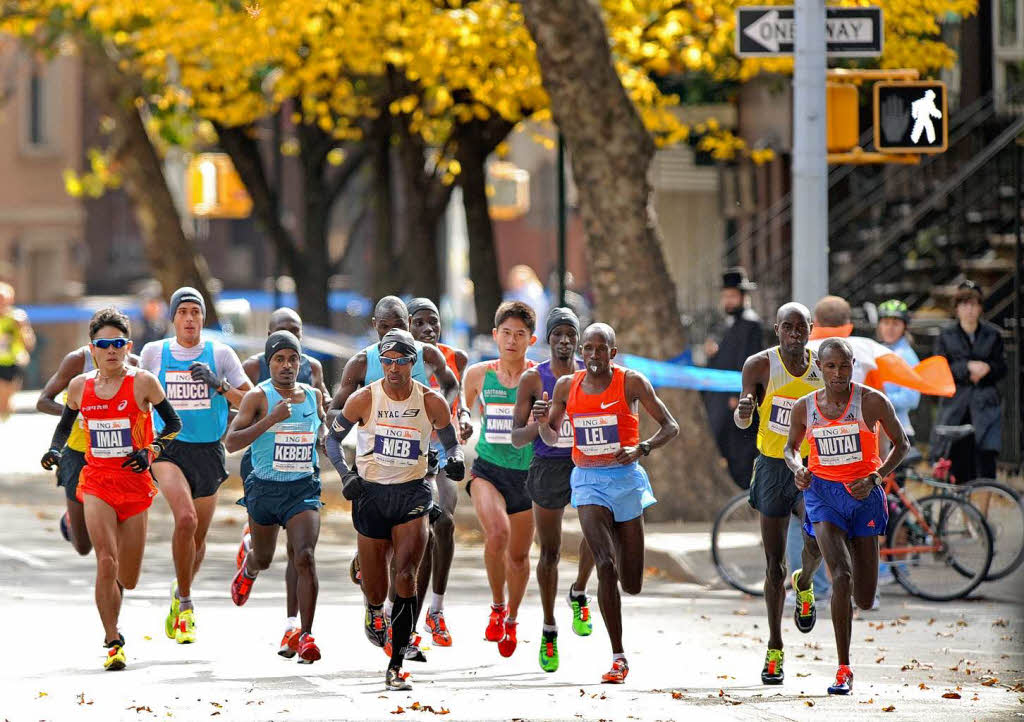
[[510, 483], [773, 490], [381, 507], [204, 465], [547, 481], [71, 464]]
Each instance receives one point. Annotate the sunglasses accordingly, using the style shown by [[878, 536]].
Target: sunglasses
[[105, 343], [400, 361]]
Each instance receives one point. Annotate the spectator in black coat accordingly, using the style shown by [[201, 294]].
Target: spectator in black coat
[[738, 335], [974, 349]]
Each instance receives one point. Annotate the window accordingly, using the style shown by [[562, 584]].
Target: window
[[1008, 27], [36, 106]]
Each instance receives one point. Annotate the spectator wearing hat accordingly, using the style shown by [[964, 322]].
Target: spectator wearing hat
[[974, 350], [893, 317], [731, 341]]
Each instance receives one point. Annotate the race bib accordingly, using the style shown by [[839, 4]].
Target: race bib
[[396, 445], [780, 414], [565, 434], [110, 438], [293, 449], [185, 393], [498, 423], [837, 445], [597, 434]]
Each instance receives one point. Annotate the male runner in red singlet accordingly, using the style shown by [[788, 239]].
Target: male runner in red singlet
[[115, 487], [842, 485], [609, 488]]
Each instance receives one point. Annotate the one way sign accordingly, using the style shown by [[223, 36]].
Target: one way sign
[[771, 31]]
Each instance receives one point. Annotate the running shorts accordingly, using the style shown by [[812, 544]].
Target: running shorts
[[547, 481], [381, 507], [276, 502], [624, 489], [128, 493], [510, 483], [71, 464], [773, 490], [830, 501], [203, 465]]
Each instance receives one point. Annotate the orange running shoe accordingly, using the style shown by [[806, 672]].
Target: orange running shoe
[[308, 651], [289, 643], [241, 586], [244, 547], [495, 631], [438, 628], [508, 643], [617, 674]]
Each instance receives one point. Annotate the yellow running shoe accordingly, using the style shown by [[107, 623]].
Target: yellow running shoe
[[185, 631], [115, 656], [171, 623]]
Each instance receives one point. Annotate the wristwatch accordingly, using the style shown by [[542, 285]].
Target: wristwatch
[[224, 387], [879, 479], [645, 447]]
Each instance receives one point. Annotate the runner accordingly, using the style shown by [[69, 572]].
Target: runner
[[116, 487], [773, 380], [497, 482], [389, 494], [365, 367], [192, 468], [842, 485], [311, 373], [548, 481], [610, 489], [281, 420], [17, 340], [72, 456], [425, 322]]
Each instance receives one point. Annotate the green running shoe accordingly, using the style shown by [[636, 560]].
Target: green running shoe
[[772, 672], [171, 623], [549, 651], [804, 616], [581, 622]]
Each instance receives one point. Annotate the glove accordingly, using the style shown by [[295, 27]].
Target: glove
[[138, 460], [51, 459], [432, 462], [202, 372], [455, 469], [435, 512], [352, 485]]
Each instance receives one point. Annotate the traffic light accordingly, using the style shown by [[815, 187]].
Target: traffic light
[[508, 191], [213, 188], [842, 117], [911, 117]]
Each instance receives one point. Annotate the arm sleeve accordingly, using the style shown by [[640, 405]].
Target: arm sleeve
[[338, 431], [450, 440], [64, 426], [172, 425], [149, 359], [228, 365]]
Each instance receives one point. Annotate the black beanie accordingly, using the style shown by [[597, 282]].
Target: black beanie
[[281, 340], [561, 316], [421, 304]]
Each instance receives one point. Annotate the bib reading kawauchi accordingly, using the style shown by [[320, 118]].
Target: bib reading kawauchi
[[203, 412], [495, 442], [287, 450]]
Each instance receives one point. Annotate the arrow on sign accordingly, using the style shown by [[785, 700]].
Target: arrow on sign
[[767, 30]]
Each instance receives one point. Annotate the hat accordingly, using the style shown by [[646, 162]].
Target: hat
[[398, 340], [280, 340], [736, 277], [421, 304], [561, 316], [186, 294], [893, 308]]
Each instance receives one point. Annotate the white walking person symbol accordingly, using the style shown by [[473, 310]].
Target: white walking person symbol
[[922, 111]]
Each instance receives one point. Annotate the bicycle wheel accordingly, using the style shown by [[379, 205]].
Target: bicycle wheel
[[736, 546], [1003, 511], [940, 548]]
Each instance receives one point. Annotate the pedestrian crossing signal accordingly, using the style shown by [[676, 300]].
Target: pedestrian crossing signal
[[911, 117], [213, 188]]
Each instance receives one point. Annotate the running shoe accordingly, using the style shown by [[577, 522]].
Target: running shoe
[[582, 625], [844, 681], [438, 629], [185, 631], [64, 530], [241, 586], [495, 631], [804, 615], [413, 652], [244, 547], [308, 651], [171, 623], [289, 643], [549, 651], [507, 645], [772, 672], [617, 674], [115, 655], [396, 680], [376, 627], [353, 572]]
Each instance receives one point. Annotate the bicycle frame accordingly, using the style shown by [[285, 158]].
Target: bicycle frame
[[891, 487]]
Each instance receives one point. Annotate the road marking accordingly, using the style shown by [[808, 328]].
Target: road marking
[[23, 557]]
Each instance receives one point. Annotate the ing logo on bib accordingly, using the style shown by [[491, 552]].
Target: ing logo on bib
[[185, 393], [110, 438], [293, 449], [596, 434], [498, 423], [396, 445], [838, 445]]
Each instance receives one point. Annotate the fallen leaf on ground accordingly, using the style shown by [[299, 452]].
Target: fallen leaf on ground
[[931, 621], [961, 622], [677, 695], [147, 638], [923, 686], [870, 701], [42, 694], [740, 612], [869, 639], [399, 710], [890, 708], [803, 674], [880, 659], [951, 695], [140, 708], [809, 703], [1000, 623]]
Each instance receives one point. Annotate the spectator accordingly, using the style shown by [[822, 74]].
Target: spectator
[[17, 340], [523, 285], [892, 332], [734, 338], [154, 321], [974, 349]]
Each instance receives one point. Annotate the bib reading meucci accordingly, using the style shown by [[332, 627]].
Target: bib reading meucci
[[287, 450], [203, 412], [391, 447]]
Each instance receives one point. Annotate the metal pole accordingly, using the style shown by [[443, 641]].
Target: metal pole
[[1018, 297], [810, 168], [278, 171], [561, 219]]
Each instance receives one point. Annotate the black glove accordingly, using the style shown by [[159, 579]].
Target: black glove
[[435, 512], [455, 469], [138, 460], [352, 485], [51, 459], [202, 372], [432, 461]]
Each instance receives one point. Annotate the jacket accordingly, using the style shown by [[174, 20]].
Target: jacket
[[978, 404]]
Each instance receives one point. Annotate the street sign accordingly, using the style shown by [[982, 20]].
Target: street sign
[[770, 30], [911, 117]]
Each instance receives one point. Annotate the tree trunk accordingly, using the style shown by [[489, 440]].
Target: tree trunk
[[173, 259], [382, 251], [417, 218], [483, 261], [611, 153]]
